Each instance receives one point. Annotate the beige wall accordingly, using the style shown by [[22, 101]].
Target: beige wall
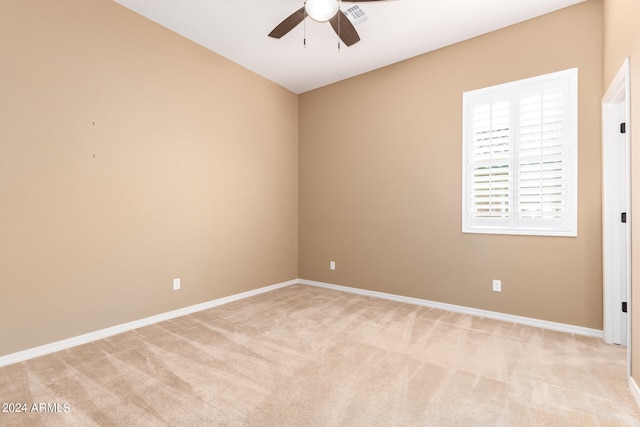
[[130, 156], [622, 39], [380, 178]]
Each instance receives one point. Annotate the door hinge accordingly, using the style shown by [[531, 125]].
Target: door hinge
[[623, 217], [623, 128], [624, 307]]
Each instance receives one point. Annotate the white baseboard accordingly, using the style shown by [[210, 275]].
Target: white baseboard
[[635, 390], [562, 327], [118, 329], [125, 327]]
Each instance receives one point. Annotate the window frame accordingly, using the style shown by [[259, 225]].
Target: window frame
[[514, 222]]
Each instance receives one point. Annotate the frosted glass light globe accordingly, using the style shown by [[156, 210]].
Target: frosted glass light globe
[[321, 10]]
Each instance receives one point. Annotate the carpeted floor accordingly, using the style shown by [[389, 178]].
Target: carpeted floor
[[308, 356]]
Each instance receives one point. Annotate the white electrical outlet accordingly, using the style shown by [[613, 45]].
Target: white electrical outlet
[[176, 284], [497, 286], [332, 265]]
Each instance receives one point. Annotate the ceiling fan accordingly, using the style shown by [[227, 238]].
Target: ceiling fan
[[322, 11]]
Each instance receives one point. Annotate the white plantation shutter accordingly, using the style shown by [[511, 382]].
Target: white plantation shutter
[[491, 161], [520, 152], [542, 153]]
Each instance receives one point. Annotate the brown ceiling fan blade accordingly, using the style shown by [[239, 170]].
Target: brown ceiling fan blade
[[288, 24], [344, 28]]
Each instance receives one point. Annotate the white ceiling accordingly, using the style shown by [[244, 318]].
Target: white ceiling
[[395, 30]]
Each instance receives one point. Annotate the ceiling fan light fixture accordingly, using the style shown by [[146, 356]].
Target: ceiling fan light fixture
[[321, 10]]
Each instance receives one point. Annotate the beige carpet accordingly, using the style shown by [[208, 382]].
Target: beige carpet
[[307, 356]]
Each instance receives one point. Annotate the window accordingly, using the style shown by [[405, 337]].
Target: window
[[520, 157]]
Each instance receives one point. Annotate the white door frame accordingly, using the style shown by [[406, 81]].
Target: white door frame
[[616, 197]]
